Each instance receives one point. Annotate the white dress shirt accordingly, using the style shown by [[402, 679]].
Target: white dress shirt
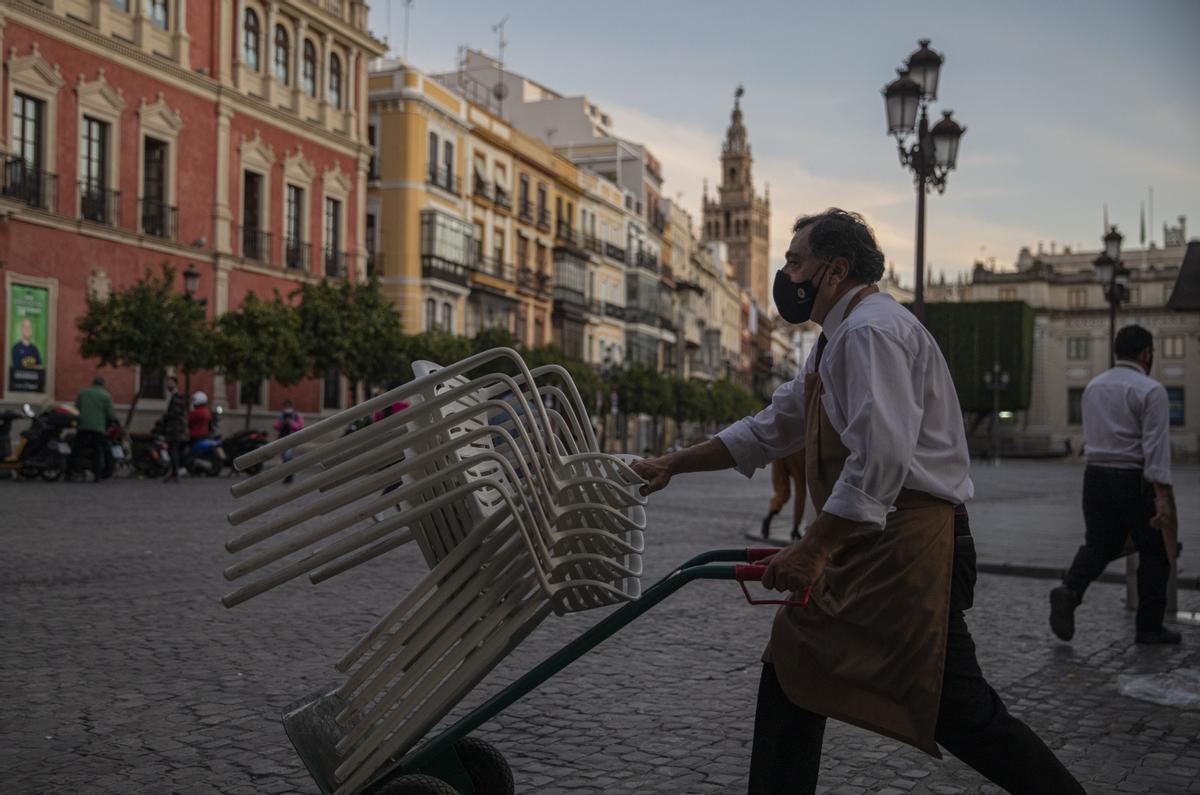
[[889, 396], [1126, 422]]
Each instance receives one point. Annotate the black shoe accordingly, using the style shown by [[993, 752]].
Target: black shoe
[[796, 534], [1063, 602], [1160, 636]]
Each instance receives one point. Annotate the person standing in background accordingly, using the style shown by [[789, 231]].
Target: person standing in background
[[783, 472], [289, 421], [174, 424], [95, 411], [1127, 492]]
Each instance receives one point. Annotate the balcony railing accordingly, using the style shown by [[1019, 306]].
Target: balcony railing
[[23, 182], [502, 199], [646, 260], [525, 213], [614, 310], [158, 219], [563, 231], [592, 243], [482, 188], [335, 262], [296, 254], [543, 219], [99, 204], [437, 268], [659, 224], [614, 252], [494, 267], [444, 178], [374, 263], [256, 244]]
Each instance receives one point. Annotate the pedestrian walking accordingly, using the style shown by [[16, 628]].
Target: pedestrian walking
[[289, 421], [173, 425], [95, 413], [889, 561], [1127, 491], [783, 472]]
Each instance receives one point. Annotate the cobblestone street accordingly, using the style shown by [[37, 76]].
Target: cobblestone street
[[121, 672]]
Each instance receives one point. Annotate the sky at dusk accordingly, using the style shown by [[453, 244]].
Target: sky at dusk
[[1068, 105]]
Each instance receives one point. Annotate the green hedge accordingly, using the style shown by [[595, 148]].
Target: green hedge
[[976, 334]]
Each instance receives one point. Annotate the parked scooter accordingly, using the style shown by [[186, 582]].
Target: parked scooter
[[149, 455], [244, 442], [41, 451]]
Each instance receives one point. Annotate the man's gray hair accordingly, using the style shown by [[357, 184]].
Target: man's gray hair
[[838, 233]]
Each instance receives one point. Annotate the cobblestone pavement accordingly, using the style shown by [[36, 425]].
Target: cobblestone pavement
[[121, 672]]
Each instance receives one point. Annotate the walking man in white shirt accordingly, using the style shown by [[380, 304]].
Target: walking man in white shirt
[[1127, 489], [882, 643]]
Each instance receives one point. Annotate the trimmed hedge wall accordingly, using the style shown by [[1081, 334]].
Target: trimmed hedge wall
[[976, 334]]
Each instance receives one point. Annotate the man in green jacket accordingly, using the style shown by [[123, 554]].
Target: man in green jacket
[[95, 410]]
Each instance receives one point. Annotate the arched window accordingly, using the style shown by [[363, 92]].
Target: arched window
[[335, 80], [282, 55], [309, 77], [250, 45]]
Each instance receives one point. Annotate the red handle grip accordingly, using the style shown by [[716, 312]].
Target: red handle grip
[[754, 554], [753, 572]]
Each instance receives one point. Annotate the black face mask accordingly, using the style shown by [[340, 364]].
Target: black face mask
[[794, 301]]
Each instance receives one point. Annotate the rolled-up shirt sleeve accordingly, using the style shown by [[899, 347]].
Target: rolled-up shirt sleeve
[[1156, 437], [774, 432], [882, 405]]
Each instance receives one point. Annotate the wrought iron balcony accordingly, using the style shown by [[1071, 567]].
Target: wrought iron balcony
[[444, 178], [564, 231], [256, 244], [614, 252], [99, 204], [335, 262], [525, 213], [592, 243], [158, 219], [296, 254], [483, 188], [33, 186], [543, 219], [502, 198], [615, 311], [645, 259], [374, 263]]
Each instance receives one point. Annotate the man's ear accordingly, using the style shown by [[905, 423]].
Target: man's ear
[[839, 269]]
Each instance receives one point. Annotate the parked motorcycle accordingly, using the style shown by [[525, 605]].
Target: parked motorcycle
[[149, 455], [244, 442], [41, 451]]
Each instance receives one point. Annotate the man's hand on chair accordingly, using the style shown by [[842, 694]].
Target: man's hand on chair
[[656, 472]]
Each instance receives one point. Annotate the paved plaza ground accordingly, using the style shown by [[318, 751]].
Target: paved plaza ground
[[121, 672]]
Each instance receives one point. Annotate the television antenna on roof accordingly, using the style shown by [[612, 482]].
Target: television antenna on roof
[[500, 91]]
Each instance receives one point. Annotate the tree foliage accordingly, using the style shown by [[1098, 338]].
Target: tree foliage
[[149, 325], [260, 341], [976, 335]]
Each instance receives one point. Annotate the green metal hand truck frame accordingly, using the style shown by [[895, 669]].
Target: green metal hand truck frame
[[453, 761]]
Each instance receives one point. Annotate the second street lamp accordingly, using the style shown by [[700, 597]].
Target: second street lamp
[[934, 153], [1112, 275]]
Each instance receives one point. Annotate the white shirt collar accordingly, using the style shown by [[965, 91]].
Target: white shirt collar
[[838, 313], [1132, 365]]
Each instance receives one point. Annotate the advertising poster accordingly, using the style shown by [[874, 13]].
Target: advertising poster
[[28, 332]]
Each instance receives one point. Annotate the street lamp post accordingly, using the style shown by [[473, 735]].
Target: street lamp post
[[996, 380], [191, 283], [934, 153], [1114, 277]]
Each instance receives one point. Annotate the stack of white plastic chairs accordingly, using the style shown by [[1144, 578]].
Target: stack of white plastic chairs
[[499, 481]]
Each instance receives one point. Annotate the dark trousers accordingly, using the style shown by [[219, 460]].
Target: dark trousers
[[91, 451], [1118, 503], [972, 724]]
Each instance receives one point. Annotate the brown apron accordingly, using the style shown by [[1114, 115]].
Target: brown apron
[[869, 647]]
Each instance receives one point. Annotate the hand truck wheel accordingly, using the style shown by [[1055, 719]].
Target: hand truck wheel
[[486, 766], [415, 785]]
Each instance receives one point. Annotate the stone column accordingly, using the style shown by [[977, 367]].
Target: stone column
[[323, 79], [298, 64], [239, 41], [180, 38], [269, 53], [360, 215], [222, 217]]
